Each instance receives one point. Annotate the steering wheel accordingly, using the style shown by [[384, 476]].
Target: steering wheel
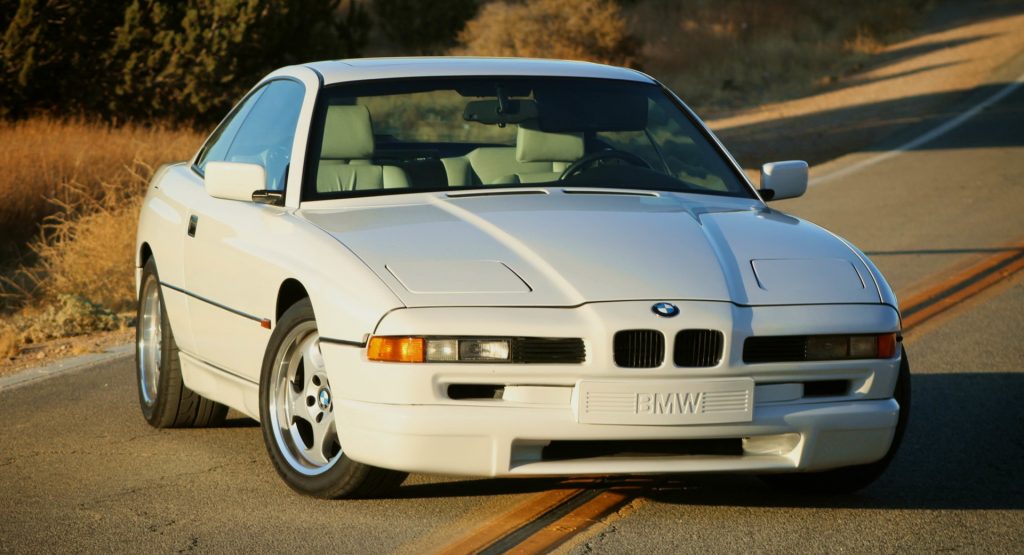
[[592, 160]]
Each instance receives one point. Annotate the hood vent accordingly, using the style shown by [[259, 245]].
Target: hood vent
[[495, 192], [609, 192]]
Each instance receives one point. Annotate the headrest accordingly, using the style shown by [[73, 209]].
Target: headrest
[[537, 146], [534, 145], [348, 133]]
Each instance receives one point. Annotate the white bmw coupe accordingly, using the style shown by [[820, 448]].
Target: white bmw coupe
[[503, 267]]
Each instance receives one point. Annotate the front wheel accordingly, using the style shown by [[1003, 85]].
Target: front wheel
[[853, 478], [297, 416]]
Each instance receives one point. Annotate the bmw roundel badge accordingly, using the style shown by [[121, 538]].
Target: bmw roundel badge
[[666, 310]]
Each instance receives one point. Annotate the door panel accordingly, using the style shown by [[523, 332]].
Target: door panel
[[232, 287], [230, 295]]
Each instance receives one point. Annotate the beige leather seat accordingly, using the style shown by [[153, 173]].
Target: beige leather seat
[[555, 151], [346, 158], [489, 165], [537, 157]]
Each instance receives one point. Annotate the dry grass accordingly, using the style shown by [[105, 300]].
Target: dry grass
[[41, 155], [77, 186], [722, 54], [719, 54]]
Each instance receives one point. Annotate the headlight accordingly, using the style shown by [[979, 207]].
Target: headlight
[[838, 347], [482, 350], [439, 349], [802, 348]]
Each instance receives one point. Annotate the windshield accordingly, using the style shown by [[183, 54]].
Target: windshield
[[411, 135]]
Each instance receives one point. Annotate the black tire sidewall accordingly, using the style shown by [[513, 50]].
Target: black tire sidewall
[[156, 413], [345, 474]]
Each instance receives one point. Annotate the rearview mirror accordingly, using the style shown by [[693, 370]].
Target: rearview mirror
[[234, 180], [491, 112], [781, 180]]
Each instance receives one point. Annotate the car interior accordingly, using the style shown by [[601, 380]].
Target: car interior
[[535, 136]]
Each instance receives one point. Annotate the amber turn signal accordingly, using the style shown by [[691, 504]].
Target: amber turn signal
[[887, 345], [395, 349]]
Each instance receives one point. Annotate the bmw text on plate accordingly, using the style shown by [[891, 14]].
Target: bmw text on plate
[[505, 267]]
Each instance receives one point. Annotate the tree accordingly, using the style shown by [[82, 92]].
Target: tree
[[172, 59], [192, 60], [420, 27], [50, 54]]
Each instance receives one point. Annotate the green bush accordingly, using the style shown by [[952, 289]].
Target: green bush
[[179, 60]]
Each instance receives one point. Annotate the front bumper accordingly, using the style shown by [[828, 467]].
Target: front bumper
[[400, 416], [500, 441]]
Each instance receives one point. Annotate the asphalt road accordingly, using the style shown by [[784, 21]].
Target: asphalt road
[[81, 471]]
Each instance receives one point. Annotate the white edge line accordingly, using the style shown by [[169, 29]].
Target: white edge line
[[66, 366], [924, 138]]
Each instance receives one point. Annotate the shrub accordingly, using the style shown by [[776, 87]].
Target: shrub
[[593, 30]]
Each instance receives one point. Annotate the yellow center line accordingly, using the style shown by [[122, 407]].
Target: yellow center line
[[943, 295], [504, 524]]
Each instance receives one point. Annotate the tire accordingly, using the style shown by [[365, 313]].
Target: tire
[[163, 397], [297, 417], [853, 478]]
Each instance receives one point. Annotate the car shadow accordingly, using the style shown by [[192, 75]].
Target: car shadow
[[238, 420], [963, 450]]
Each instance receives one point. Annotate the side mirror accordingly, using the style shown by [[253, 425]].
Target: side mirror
[[234, 180], [781, 180]]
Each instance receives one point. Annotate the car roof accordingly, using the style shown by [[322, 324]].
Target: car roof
[[358, 69]]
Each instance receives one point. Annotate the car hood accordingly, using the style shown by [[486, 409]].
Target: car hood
[[552, 247]]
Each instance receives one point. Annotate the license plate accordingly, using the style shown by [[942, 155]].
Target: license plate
[[665, 402]]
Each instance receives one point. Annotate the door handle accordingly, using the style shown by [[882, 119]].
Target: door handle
[[193, 221]]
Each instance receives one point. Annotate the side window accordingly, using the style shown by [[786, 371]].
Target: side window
[[216, 148], [266, 135]]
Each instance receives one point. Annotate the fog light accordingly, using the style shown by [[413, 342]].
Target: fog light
[[483, 349]]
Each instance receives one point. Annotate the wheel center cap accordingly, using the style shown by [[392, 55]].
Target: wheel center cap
[[324, 398]]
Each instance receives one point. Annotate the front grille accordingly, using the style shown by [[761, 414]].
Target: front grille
[[639, 348], [698, 348], [545, 350], [787, 348]]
